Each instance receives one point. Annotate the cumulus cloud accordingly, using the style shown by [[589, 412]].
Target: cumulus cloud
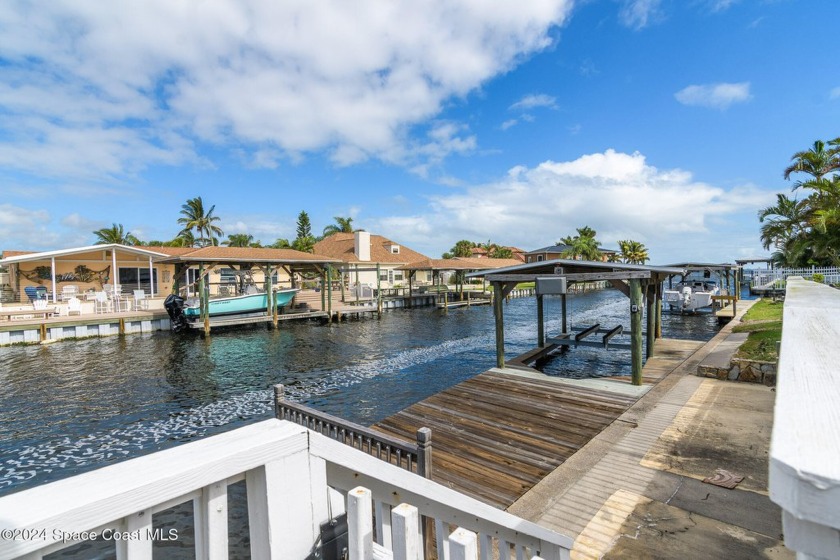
[[107, 89], [618, 194], [715, 96], [637, 14]]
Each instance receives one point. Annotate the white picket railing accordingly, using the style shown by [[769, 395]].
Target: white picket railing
[[296, 480], [776, 278]]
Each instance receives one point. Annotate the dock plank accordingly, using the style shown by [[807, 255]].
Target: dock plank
[[496, 435]]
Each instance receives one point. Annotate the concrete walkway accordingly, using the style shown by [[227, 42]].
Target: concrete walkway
[[636, 490]]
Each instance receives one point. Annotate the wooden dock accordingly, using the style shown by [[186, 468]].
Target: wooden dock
[[498, 434]]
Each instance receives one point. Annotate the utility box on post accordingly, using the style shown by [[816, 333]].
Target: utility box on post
[[553, 285]]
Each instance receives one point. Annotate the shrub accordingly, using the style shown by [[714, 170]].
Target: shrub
[[817, 277]]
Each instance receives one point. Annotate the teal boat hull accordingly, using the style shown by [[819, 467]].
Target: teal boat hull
[[241, 305]]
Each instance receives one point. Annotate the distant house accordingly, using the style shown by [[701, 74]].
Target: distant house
[[481, 253], [555, 251], [361, 252]]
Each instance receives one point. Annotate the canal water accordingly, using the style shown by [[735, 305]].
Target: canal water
[[76, 405]]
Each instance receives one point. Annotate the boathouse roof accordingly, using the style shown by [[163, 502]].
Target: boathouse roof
[[460, 263], [571, 266]]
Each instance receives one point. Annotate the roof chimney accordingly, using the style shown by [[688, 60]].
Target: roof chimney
[[362, 245]]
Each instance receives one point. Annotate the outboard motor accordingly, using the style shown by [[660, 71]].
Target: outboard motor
[[174, 306], [686, 294]]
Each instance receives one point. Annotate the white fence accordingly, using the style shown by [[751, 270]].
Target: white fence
[[296, 480], [805, 447], [776, 278]]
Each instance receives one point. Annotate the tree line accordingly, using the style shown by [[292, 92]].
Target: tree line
[[199, 228], [583, 246]]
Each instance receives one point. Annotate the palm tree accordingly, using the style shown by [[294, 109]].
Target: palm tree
[[240, 240], [341, 225], [202, 222], [115, 234], [583, 245], [633, 252], [816, 162]]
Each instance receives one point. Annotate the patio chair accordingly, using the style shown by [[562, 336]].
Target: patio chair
[[101, 304], [140, 301], [74, 306], [33, 293], [39, 304], [69, 292]]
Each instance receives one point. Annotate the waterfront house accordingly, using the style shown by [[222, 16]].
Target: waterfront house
[[482, 253], [365, 254], [553, 252]]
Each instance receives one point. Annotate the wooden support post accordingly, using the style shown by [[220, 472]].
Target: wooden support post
[[279, 397], [446, 298], [650, 311], [540, 323], [565, 326], [378, 291], [410, 287], [659, 310], [203, 296], [498, 311], [43, 329], [357, 284], [272, 300], [329, 291], [636, 330], [323, 290]]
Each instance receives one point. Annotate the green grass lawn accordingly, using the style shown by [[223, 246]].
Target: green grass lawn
[[764, 323]]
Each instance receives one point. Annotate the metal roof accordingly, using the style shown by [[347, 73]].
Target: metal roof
[[78, 250], [571, 266]]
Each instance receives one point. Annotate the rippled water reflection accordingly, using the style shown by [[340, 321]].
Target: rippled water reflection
[[77, 405]]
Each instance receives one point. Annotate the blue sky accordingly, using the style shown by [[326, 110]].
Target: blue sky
[[666, 122]]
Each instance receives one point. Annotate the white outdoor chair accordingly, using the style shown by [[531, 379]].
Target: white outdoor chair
[[39, 304], [69, 292], [140, 301], [74, 307], [102, 304]]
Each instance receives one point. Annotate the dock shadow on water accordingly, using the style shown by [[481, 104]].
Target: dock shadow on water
[[73, 406]]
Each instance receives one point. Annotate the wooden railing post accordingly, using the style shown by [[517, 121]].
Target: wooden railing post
[[424, 453], [359, 524], [279, 397]]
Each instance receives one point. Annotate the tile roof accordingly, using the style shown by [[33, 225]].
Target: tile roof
[[342, 246], [460, 263], [249, 254]]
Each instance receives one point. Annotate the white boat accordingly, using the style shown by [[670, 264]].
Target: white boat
[[691, 295]]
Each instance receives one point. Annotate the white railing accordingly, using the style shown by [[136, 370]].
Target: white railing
[[776, 278], [805, 446], [296, 480]]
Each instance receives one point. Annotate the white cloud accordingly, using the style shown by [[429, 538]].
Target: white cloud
[[722, 5], [715, 96], [509, 123], [637, 14], [533, 101], [92, 89], [618, 194]]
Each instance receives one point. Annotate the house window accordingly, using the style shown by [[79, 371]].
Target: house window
[[395, 249], [383, 276], [227, 276], [136, 279], [539, 258], [398, 276]]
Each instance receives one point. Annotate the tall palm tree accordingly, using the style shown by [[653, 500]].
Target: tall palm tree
[[115, 234], [195, 218], [341, 225], [633, 252], [816, 162], [583, 245]]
